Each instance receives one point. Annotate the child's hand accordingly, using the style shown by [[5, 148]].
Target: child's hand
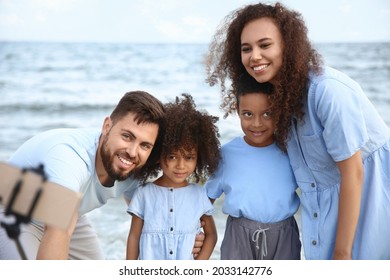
[[199, 238]]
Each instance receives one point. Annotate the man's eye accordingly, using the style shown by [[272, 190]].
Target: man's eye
[[146, 147]]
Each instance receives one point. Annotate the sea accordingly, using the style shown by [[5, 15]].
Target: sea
[[51, 85]]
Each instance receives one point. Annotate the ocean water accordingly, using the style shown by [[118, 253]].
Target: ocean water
[[51, 85]]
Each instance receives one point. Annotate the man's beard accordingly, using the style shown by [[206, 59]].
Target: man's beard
[[108, 164]]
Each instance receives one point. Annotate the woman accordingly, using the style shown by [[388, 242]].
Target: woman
[[338, 145]]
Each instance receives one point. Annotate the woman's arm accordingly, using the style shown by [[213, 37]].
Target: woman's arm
[[210, 233], [352, 174], [132, 252]]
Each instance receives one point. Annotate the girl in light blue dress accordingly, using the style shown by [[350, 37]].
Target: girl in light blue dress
[[338, 145], [167, 213]]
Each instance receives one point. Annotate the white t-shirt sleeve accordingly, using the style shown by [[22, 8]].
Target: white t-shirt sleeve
[[64, 166]]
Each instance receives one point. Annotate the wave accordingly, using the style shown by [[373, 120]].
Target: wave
[[43, 108]]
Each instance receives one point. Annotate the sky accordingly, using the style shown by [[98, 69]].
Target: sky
[[179, 21]]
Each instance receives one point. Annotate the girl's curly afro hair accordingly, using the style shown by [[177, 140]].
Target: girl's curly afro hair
[[185, 127]]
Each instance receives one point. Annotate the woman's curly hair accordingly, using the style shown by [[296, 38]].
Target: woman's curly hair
[[185, 127], [223, 62]]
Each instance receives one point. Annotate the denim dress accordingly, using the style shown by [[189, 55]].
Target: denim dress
[[171, 220], [339, 121]]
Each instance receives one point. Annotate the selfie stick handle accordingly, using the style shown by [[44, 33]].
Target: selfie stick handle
[[13, 230]]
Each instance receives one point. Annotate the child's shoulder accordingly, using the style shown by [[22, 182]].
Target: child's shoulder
[[197, 189], [233, 142], [194, 185], [144, 187], [148, 185]]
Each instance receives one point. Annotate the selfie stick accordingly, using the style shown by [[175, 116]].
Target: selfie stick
[[13, 229]]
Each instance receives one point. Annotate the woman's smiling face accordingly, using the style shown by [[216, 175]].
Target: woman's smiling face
[[262, 50]]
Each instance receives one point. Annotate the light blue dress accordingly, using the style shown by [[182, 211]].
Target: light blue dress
[[340, 120], [171, 220]]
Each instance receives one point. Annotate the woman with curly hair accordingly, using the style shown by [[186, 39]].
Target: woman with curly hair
[[167, 213], [338, 145]]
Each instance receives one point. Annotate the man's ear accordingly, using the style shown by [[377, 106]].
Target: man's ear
[[107, 124]]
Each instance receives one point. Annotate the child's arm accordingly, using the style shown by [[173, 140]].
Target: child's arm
[[210, 232], [132, 251], [199, 238]]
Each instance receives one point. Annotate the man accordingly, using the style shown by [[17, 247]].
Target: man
[[97, 163]]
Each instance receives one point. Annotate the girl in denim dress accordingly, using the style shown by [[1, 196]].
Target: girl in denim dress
[[167, 213]]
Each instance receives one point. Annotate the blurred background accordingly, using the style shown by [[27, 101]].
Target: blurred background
[[67, 64]]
